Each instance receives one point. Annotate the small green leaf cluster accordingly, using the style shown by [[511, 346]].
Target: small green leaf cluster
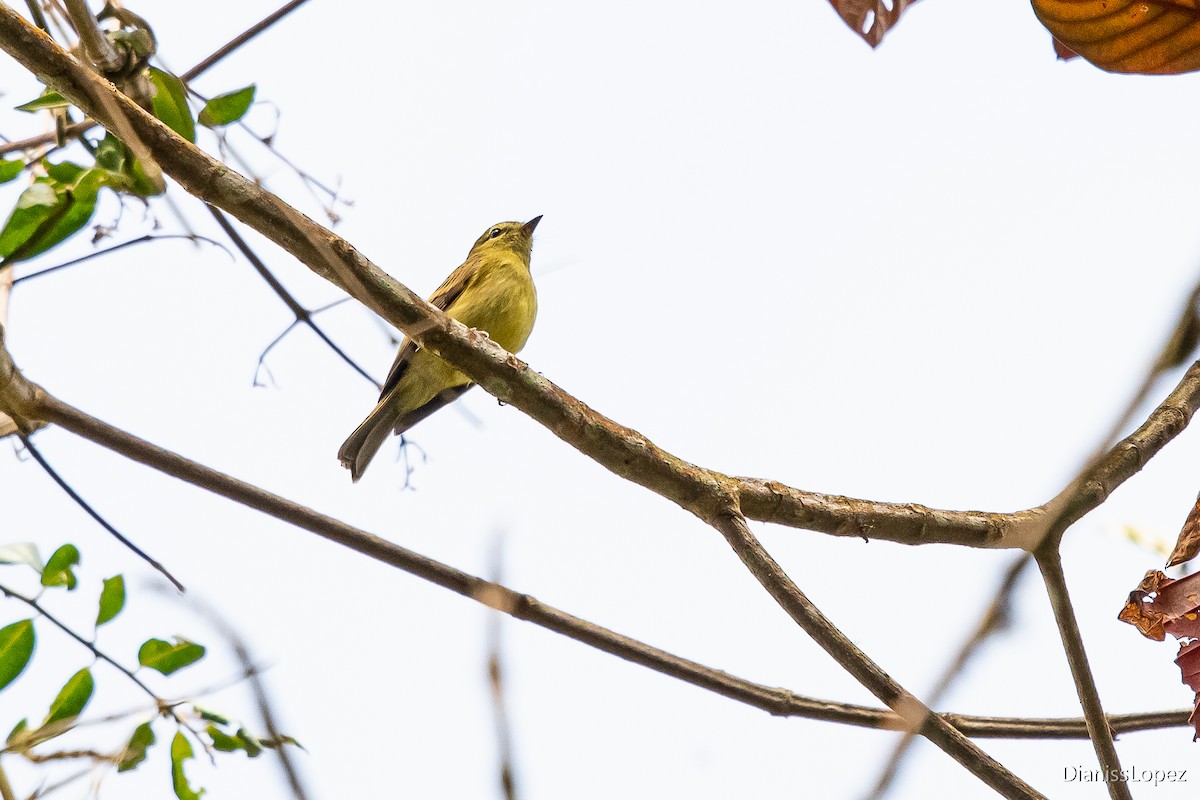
[[18, 642], [62, 196]]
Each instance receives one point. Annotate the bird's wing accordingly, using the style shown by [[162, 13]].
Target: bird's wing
[[450, 290]]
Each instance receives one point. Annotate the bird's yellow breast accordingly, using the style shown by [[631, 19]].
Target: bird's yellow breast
[[500, 300]]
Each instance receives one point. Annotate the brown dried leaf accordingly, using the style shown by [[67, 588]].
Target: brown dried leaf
[[1188, 543], [871, 19], [1147, 620], [1162, 605], [1148, 37]]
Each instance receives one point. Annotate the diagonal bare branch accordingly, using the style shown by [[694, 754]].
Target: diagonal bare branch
[[622, 450], [917, 716]]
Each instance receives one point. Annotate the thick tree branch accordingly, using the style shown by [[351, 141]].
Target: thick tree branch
[[904, 523], [622, 450]]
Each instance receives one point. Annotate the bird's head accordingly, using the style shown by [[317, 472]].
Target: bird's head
[[516, 237]]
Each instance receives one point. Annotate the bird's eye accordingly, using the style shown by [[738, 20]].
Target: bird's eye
[[495, 232]]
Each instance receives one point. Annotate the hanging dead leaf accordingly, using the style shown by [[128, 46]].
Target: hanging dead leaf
[[1162, 605], [871, 19], [1188, 543], [1149, 37]]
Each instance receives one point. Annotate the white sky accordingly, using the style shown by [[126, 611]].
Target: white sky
[[930, 273]]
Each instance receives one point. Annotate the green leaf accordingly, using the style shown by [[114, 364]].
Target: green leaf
[[170, 103], [10, 169], [38, 204], [128, 173], [58, 569], [226, 108], [112, 599], [72, 698], [21, 553], [111, 154], [48, 99], [210, 716], [49, 211], [135, 751], [65, 172], [222, 741], [250, 744], [181, 750], [16, 732], [16, 648], [166, 657]]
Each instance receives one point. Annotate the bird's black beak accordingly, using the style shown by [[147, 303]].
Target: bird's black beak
[[529, 226]]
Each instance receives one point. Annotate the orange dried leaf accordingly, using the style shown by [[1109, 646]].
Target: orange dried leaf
[[1147, 620], [870, 19], [1188, 543], [1141, 36], [1161, 605]]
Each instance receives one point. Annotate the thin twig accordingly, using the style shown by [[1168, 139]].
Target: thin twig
[[96, 45], [302, 314], [39, 18], [917, 715], [1177, 350], [994, 619], [1049, 561], [162, 705], [6, 791], [48, 138], [84, 125], [262, 700], [91, 512], [110, 250], [239, 40], [495, 674]]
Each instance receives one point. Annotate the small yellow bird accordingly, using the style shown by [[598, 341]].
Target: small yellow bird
[[493, 292]]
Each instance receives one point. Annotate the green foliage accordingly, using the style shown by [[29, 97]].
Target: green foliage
[[58, 570], [17, 732], [47, 100], [17, 644], [112, 599], [166, 657], [72, 698], [227, 108], [135, 751], [49, 211], [125, 172], [9, 170], [170, 104], [16, 648], [209, 715], [60, 203], [181, 750]]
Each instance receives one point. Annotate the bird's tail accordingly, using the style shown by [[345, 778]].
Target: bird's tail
[[357, 451]]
